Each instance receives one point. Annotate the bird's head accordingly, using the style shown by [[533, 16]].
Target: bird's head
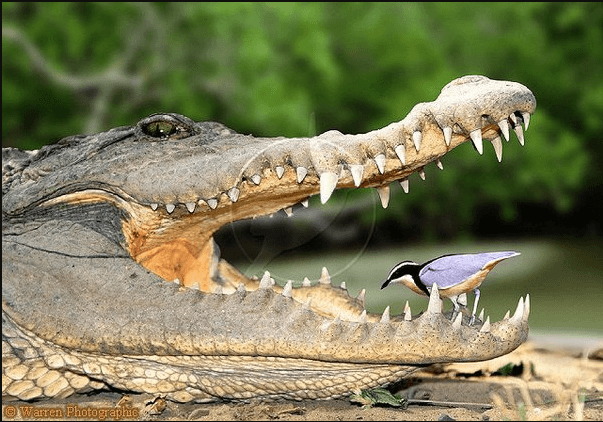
[[407, 274]]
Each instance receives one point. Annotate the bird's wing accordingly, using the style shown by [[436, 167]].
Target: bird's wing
[[450, 270]]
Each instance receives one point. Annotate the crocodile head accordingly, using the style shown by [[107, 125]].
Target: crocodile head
[[96, 229]]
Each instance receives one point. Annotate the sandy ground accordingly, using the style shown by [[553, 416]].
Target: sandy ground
[[553, 380]]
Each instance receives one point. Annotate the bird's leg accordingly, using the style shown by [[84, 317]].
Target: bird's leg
[[458, 302], [475, 302]]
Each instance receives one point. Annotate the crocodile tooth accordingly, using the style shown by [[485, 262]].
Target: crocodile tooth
[[476, 138], [507, 315], [504, 128], [447, 135], [439, 164], [417, 136], [325, 278], [481, 315], [380, 161], [401, 153], [421, 173], [301, 174], [486, 327], [497, 144], [362, 318], [233, 194], [457, 321], [519, 132], [256, 179], [265, 282], [526, 308], [385, 315], [435, 303], [306, 282], [170, 208], [305, 203], [526, 119], [288, 211], [407, 312], [357, 170], [280, 170], [513, 118], [190, 206], [287, 289], [154, 207], [383, 192], [462, 299], [405, 185], [328, 182], [343, 285], [361, 296], [213, 203], [177, 281]]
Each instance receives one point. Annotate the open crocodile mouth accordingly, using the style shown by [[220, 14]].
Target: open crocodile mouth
[[174, 239]]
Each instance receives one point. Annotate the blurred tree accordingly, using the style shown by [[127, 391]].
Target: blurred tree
[[298, 69]]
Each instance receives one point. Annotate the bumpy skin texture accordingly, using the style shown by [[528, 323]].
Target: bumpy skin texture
[[97, 228]]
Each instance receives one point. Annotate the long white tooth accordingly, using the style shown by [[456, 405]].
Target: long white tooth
[[407, 312], [288, 211], [417, 136], [301, 173], [288, 288], [361, 296], [405, 185], [513, 118], [518, 315], [170, 208], [190, 206], [481, 315], [328, 182], [362, 318], [380, 161], [519, 132], [497, 144], [476, 138], [526, 308], [435, 303], [457, 321], [526, 119], [256, 179], [280, 171], [265, 282], [447, 135], [233, 194], [357, 170], [154, 207], [305, 203], [439, 164], [213, 203], [385, 315], [504, 128], [421, 173], [462, 299], [306, 282], [401, 153], [486, 327], [325, 278], [383, 192]]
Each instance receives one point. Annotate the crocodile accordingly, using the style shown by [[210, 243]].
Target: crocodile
[[112, 279]]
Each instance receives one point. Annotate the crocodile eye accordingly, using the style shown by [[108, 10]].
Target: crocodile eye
[[160, 129]]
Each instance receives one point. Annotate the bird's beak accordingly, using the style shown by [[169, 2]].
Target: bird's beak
[[384, 283]]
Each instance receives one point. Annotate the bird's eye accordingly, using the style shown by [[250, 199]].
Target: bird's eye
[[160, 129]]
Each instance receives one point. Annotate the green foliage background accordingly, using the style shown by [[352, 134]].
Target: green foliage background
[[299, 69]]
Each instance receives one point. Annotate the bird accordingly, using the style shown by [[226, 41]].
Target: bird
[[454, 274]]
